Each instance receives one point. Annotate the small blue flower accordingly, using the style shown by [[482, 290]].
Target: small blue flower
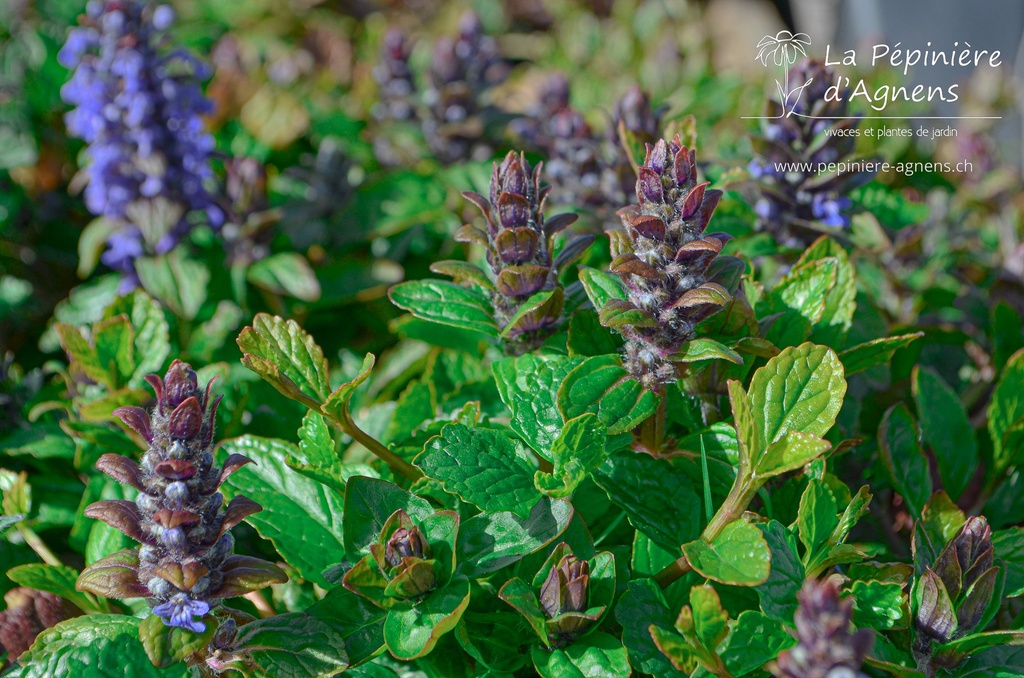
[[829, 209], [180, 610]]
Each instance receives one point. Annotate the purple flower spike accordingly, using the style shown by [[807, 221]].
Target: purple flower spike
[[180, 610], [139, 107]]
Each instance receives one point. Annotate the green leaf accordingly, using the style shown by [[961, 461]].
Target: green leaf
[[56, 579], [447, 303], [301, 517], [817, 517], [360, 622], [875, 352], [168, 645], [578, 451], [801, 389], [596, 655], [790, 452], [293, 645], [946, 429], [528, 385], [84, 356], [940, 521], [878, 605], [178, 282], [369, 502], [114, 340], [739, 556], [587, 337], [658, 500], [152, 333], [483, 466], [904, 459], [1009, 548], [601, 286], [641, 606], [703, 348], [490, 541], [602, 386], [754, 641], [547, 304], [337, 405], [413, 632], [779, 592], [316, 445], [1005, 410], [287, 357], [97, 645], [286, 273], [710, 621]]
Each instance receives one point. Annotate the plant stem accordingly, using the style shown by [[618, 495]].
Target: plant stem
[[398, 464], [36, 544], [652, 431], [740, 496]]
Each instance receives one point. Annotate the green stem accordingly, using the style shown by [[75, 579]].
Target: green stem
[[740, 496], [36, 544], [652, 431], [397, 464]]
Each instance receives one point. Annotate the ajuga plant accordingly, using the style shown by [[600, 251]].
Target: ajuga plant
[[185, 565], [664, 256], [587, 169], [525, 297], [826, 643], [139, 108], [798, 203], [449, 100]]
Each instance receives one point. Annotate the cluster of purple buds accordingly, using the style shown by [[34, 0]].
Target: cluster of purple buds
[[520, 252], [451, 108], [664, 257], [952, 595], [29, 612], [564, 599], [586, 168], [185, 564], [248, 224], [797, 201], [827, 647], [139, 108]]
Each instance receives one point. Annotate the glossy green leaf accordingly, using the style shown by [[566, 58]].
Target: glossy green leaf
[[878, 605], [601, 286], [359, 622], [801, 389], [447, 303], [369, 502], [286, 356], [703, 348], [946, 429], [490, 541], [300, 516], [95, 645], [602, 386], [1009, 549], [577, 452], [168, 645], [1005, 410], [596, 655], [641, 606], [659, 501], [738, 556], [56, 579], [483, 466], [754, 641], [529, 385], [875, 352], [904, 459], [292, 645], [413, 632], [179, 283], [779, 592], [817, 517], [286, 273]]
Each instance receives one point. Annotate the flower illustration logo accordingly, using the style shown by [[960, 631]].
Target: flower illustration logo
[[782, 49]]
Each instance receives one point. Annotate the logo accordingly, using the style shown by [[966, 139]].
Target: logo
[[783, 49]]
